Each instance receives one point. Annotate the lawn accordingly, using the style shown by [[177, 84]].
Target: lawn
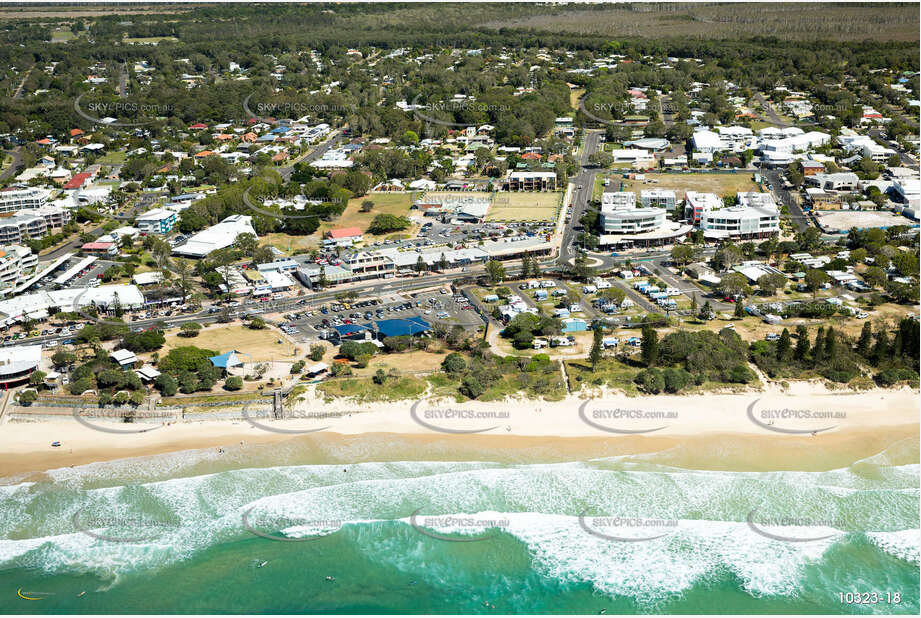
[[62, 36], [721, 184], [524, 206], [114, 158], [261, 345]]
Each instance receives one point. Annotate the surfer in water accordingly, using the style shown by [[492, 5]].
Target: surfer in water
[[262, 564], [330, 578]]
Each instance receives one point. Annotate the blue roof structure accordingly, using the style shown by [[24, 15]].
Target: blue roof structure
[[345, 330], [402, 326], [227, 359]]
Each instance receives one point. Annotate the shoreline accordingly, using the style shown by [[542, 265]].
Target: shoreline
[[625, 425]]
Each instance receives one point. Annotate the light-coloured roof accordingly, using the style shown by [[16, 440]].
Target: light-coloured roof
[[17, 359], [217, 236]]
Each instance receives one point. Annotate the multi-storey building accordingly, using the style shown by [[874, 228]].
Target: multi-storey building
[[18, 198]]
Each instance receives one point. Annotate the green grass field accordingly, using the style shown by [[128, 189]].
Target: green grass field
[[526, 206]]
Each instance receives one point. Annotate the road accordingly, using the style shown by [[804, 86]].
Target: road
[[16, 153], [123, 81], [22, 85], [906, 160], [580, 197], [312, 155], [772, 115], [797, 216]]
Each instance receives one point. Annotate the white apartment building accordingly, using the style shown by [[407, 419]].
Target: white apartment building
[[30, 224], [19, 198], [865, 147], [660, 198], [841, 181], [15, 262], [695, 204], [632, 220], [756, 216], [615, 200], [796, 143]]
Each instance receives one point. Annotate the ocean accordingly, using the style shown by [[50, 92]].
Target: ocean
[[284, 529]]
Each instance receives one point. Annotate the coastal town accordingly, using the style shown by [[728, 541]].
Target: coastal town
[[571, 308], [270, 245]]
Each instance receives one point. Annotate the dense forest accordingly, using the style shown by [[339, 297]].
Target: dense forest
[[205, 41]]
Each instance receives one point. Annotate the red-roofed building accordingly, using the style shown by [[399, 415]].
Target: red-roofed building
[[531, 156], [204, 153], [198, 126], [77, 181], [344, 236], [44, 141], [100, 248], [76, 132]]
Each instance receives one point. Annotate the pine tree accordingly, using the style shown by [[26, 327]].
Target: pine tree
[[694, 303], [783, 345], [802, 344], [650, 346], [881, 349], [831, 345], [117, 306], [866, 340], [739, 311], [594, 355], [818, 348], [526, 266]]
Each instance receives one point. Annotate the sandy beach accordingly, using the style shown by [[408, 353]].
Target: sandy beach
[[788, 422]]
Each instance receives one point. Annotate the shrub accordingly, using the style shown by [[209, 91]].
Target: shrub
[[166, 384], [676, 379], [471, 387], [189, 329], [741, 374], [27, 397], [233, 383], [316, 352], [650, 381], [80, 386], [453, 363], [297, 367]]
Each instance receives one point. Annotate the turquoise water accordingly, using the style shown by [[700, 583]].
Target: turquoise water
[[181, 534]]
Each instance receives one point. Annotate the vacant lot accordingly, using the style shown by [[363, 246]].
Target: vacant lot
[[116, 157], [261, 345], [721, 184], [515, 206], [384, 203], [149, 40]]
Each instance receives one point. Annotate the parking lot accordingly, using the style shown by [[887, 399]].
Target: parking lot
[[314, 322]]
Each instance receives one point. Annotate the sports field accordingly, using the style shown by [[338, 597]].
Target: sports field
[[455, 196], [524, 206]]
